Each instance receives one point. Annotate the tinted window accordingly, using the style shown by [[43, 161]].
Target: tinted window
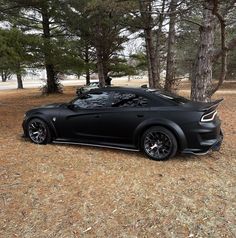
[[128, 100], [93, 100]]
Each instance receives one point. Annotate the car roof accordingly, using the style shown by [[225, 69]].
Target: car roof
[[155, 94], [146, 91], [128, 89], [140, 91]]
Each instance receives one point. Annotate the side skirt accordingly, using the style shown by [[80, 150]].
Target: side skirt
[[96, 145]]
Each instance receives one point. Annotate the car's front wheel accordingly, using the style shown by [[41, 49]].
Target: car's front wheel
[[158, 143], [38, 131]]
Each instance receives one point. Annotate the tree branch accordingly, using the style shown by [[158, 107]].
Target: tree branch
[[230, 46], [193, 22], [215, 11]]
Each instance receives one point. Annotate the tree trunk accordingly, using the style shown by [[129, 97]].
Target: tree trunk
[[146, 13], [87, 77], [159, 42], [52, 81], [100, 67], [3, 76], [87, 65], [52, 86], [19, 81], [158, 55], [105, 67], [202, 69], [150, 77], [152, 61], [158, 61], [171, 66]]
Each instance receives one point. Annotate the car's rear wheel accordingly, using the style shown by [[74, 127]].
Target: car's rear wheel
[[38, 131], [158, 143]]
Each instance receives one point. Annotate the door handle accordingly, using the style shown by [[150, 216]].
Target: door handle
[[139, 115], [97, 116]]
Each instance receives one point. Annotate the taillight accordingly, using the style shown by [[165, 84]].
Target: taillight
[[209, 116]]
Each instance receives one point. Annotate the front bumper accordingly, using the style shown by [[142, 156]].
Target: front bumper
[[24, 126]]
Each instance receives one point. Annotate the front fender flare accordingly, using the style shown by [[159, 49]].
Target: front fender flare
[[46, 120]]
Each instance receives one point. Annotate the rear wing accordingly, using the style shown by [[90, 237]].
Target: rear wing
[[212, 105]]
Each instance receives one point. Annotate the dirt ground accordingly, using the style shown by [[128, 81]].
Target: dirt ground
[[76, 191]]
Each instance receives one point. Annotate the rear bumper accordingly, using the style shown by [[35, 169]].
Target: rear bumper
[[217, 145], [207, 146]]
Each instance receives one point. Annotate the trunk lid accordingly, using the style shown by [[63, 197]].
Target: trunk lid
[[205, 106]]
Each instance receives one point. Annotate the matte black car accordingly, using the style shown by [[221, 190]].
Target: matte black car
[[158, 123]]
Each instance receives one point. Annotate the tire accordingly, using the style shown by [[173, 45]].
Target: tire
[[38, 132], [158, 143]]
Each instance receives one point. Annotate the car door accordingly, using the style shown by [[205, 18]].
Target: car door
[[82, 119], [119, 121], [104, 117]]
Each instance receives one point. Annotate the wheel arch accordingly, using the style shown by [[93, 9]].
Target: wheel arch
[[169, 125], [46, 120]]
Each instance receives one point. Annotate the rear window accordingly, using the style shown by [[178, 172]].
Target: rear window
[[128, 100], [171, 96]]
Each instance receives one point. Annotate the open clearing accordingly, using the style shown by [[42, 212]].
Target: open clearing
[[76, 191]]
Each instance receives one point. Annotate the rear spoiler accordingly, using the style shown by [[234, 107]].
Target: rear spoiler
[[212, 105]]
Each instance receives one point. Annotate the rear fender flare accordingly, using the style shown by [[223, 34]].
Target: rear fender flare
[[170, 125]]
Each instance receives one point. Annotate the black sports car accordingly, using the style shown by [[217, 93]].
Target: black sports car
[[153, 121]]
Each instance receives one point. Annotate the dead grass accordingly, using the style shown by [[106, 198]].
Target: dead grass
[[73, 191]]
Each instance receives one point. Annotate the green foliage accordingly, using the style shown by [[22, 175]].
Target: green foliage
[[79, 30], [98, 24], [65, 56], [120, 67], [17, 50], [140, 61]]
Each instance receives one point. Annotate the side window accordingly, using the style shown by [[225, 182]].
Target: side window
[[93, 100], [128, 100]]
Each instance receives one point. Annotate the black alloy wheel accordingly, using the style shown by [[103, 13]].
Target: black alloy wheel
[[158, 143], [38, 131]]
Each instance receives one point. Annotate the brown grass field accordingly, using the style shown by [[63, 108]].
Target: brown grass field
[[77, 191]]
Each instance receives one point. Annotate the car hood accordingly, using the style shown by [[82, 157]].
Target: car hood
[[48, 106], [54, 105]]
